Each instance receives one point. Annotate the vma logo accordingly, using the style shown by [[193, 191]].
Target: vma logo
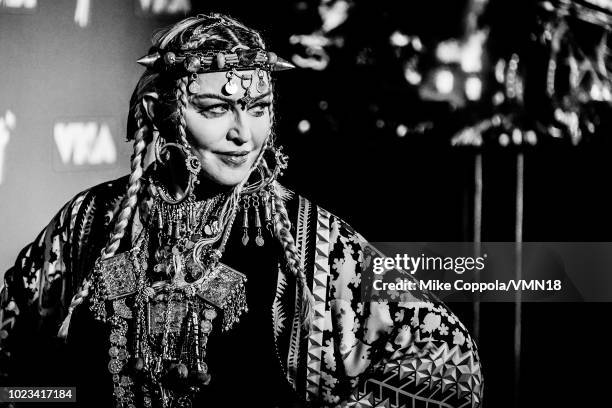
[[82, 12], [162, 7], [18, 5], [83, 146], [7, 124]]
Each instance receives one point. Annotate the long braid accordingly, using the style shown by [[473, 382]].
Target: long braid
[[282, 229], [181, 98], [128, 205], [129, 202]]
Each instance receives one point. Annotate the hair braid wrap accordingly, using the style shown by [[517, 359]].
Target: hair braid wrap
[[181, 97], [283, 233]]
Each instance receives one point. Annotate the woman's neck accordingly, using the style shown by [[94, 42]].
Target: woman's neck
[[206, 189]]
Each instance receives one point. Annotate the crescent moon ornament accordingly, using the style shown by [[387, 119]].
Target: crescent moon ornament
[[230, 87]]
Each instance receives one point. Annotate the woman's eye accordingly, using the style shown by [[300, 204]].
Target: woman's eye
[[259, 109], [214, 110]]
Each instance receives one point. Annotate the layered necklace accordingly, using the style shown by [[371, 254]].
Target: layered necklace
[[161, 299]]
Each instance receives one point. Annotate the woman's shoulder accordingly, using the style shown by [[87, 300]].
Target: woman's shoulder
[[312, 219], [93, 199], [85, 215], [107, 190]]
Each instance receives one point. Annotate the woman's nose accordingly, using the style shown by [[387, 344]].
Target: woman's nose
[[239, 133]]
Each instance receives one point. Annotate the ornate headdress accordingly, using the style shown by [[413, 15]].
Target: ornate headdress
[[207, 60], [196, 56]]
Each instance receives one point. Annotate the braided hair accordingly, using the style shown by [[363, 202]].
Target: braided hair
[[122, 220]]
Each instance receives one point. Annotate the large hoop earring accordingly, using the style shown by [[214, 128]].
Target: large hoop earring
[[192, 163], [267, 175]]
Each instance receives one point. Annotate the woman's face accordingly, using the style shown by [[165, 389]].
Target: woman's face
[[226, 131]]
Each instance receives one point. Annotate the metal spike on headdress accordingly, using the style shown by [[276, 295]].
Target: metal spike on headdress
[[282, 65], [149, 60]]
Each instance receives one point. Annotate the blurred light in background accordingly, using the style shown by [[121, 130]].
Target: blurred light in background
[[398, 39], [531, 137], [18, 4], [444, 81], [466, 53], [333, 13], [504, 139], [303, 126], [81, 13], [161, 7], [401, 130], [313, 54], [7, 123], [473, 88], [600, 92], [517, 136], [316, 57], [412, 75]]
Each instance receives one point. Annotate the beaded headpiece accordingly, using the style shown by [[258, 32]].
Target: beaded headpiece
[[194, 56], [200, 61]]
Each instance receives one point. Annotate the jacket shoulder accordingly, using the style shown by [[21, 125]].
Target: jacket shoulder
[[303, 211]]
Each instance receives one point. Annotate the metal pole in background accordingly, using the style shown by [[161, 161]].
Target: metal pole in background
[[477, 236], [518, 265]]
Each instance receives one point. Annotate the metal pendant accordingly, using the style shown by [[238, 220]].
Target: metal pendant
[[261, 85], [245, 226], [194, 87], [259, 238], [158, 313], [231, 87]]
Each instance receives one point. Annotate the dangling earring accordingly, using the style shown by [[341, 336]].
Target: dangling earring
[[175, 216], [261, 196], [192, 163], [246, 203]]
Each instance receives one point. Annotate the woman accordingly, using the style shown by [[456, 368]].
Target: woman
[[175, 304]]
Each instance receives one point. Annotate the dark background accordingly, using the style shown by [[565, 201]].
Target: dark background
[[351, 161]]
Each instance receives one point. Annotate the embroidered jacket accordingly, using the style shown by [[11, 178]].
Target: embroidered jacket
[[358, 353]]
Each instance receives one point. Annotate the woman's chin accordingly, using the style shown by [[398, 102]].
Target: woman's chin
[[227, 177]]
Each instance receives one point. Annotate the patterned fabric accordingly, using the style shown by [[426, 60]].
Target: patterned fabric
[[358, 354], [37, 290], [375, 354]]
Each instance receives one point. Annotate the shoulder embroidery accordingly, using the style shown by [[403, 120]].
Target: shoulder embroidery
[[319, 291], [278, 313], [302, 229]]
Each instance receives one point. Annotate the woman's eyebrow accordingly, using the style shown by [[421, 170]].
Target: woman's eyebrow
[[259, 97], [211, 95], [223, 98]]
